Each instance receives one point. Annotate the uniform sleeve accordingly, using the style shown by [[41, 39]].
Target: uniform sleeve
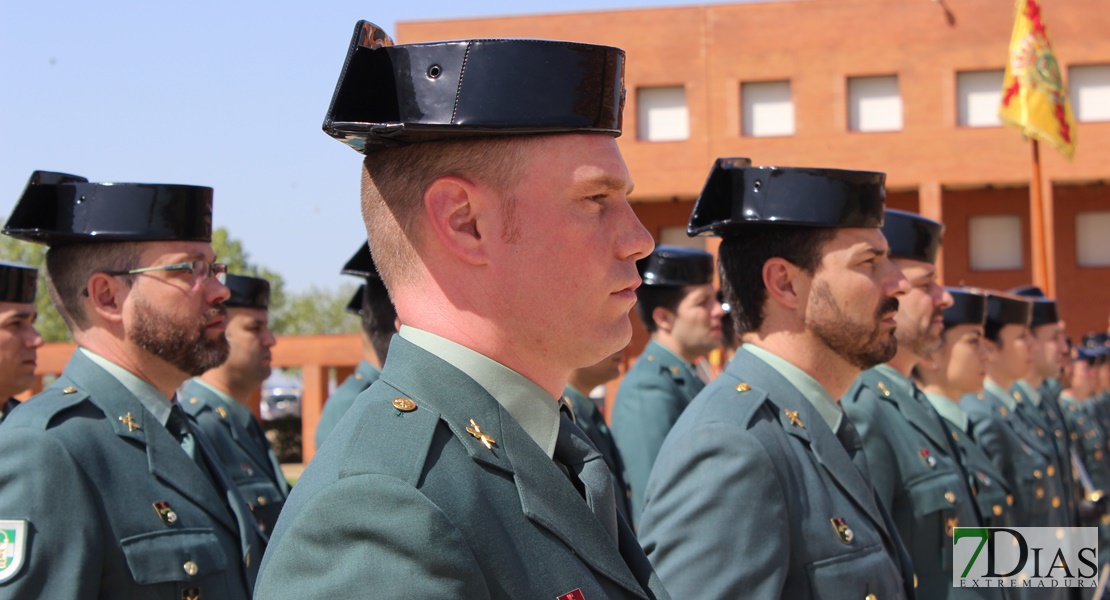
[[867, 414], [716, 524], [370, 536], [42, 484], [643, 416]]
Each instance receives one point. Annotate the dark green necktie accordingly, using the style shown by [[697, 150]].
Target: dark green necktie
[[587, 470]]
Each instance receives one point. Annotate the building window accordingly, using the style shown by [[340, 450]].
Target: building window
[[995, 243], [874, 104], [978, 96], [1089, 86], [662, 114], [766, 109], [1091, 249], [676, 236]]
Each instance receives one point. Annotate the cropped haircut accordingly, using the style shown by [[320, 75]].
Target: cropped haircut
[[394, 181], [378, 317], [69, 267], [741, 259], [650, 297]]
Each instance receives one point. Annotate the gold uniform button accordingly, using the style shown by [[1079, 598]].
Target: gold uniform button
[[1040, 493], [404, 404], [872, 596], [1051, 470], [193, 400], [248, 559], [1009, 499], [1055, 502], [69, 390], [262, 500], [191, 568], [997, 510], [950, 497], [1037, 473], [743, 387]]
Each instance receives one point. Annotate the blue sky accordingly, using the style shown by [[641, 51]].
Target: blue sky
[[225, 94]]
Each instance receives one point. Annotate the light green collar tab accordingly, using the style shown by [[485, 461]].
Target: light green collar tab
[[148, 395], [670, 352], [818, 396], [1033, 395], [222, 395], [896, 378], [950, 410], [1004, 395], [532, 408]]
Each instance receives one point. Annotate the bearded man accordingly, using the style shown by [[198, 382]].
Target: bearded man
[[761, 488], [914, 464], [107, 489]]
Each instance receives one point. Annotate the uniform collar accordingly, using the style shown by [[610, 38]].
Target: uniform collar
[[897, 378], [532, 408], [950, 410], [148, 395], [1003, 395], [818, 396], [222, 395], [1028, 391]]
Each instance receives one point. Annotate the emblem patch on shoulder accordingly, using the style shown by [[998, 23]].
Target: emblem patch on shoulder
[[573, 595], [13, 546]]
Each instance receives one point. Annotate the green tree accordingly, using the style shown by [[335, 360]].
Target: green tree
[[49, 323]]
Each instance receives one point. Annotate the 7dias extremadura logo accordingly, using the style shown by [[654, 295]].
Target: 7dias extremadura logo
[[1029, 557]]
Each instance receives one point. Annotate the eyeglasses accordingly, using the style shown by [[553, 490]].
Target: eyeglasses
[[201, 270]]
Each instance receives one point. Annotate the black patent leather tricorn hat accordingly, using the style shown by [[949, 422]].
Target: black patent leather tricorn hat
[[676, 266], [18, 283], [968, 308], [247, 292], [912, 236], [361, 264], [397, 94], [1044, 308], [737, 196], [57, 209], [1007, 309]]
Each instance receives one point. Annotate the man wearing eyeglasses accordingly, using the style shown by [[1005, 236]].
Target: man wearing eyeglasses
[[107, 489], [218, 400]]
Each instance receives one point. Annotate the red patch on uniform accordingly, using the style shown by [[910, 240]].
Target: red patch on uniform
[[575, 595]]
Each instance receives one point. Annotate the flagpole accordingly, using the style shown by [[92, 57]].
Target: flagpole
[[1036, 223]]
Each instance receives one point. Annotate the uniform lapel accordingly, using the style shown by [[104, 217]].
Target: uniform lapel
[[547, 497], [912, 406], [130, 419]]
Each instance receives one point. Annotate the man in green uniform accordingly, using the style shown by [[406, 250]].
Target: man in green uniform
[[218, 401], [588, 417], [1003, 423], [761, 489], [680, 309], [948, 374], [459, 473], [378, 318], [107, 488], [913, 463], [19, 340]]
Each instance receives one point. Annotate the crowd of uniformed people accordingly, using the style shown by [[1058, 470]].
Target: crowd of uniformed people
[[860, 412]]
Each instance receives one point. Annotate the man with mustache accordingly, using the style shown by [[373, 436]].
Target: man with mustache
[[496, 206], [19, 340], [678, 306], [219, 401], [914, 465], [107, 488], [375, 310], [761, 489]]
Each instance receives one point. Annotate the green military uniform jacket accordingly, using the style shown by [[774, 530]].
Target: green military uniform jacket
[[652, 395], [989, 487], [242, 449], [754, 496], [588, 417], [1051, 429], [7, 407], [113, 507], [1020, 455], [916, 473], [405, 502], [341, 400], [1090, 441]]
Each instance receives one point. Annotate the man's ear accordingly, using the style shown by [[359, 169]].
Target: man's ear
[[457, 210], [786, 284], [664, 318], [106, 295]]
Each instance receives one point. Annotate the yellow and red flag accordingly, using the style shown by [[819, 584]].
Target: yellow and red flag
[[1034, 98]]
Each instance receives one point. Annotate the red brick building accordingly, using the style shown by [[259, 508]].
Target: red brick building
[[909, 87]]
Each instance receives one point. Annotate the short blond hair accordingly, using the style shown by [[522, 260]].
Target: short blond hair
[[394, 181]]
